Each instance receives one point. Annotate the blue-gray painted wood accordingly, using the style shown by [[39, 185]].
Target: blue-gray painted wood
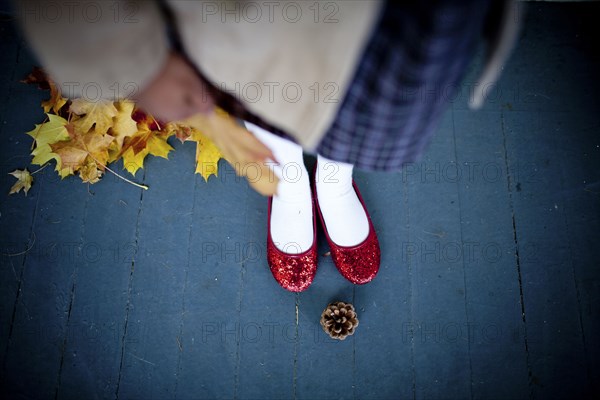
[[41, 278], [554, 332], [95, 332], [267, 342], [211, 321], [580, 168], [383, 306], [488, 286], [496, 329], [47, 288], [152, 343], [315, 350], [18, 104], [441, 348]]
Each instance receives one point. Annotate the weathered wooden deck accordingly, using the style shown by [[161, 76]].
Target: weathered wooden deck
[[489, 285]]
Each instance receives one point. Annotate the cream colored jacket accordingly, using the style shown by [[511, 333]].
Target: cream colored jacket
[[289, 62]]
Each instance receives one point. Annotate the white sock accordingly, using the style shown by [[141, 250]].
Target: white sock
[[343, 213], [291, 211]]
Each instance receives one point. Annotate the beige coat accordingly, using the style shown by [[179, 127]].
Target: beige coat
[[289, 62]]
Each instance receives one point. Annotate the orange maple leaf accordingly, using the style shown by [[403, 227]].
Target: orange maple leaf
[[56, 101], [145, 141], [89, 150], [181, 132]]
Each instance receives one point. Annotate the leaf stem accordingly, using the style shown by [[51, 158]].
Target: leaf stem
[[39, 169], [37, 132], [117, 175], [125, 179], [156, 122]]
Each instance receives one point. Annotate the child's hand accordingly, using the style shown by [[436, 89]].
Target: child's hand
[[248, 155], [176, 93]]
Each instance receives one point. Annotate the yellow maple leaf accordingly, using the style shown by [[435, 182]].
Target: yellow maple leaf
[[46, 134], [99, 133], [239, 147], [98, 114], [123, 126], [132, 162], [24, 181], [73, 153], [144, 142], [207, 155], [158, 146], [50, 132]]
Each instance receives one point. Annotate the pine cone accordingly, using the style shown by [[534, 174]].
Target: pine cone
[[339, 320]]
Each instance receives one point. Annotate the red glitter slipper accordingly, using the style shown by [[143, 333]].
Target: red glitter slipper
[[359, 264], [294, 272]]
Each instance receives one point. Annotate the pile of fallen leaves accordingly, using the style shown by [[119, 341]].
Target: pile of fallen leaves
[[84, 137]]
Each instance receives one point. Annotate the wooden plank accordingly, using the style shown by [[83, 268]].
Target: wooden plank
[[39, 327], [210, 332], [92, 356], [151, 349], [33, 327], [320, 360], [384, 361], [267, 316], [19, 109], [554, 334], [438, 312], [496, 329], [551, 147], [580, 176]]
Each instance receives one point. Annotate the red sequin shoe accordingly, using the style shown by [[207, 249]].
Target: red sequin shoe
[[359, 264], [294, 272]]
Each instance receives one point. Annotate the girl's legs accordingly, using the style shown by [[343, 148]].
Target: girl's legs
[[343, 213], [291, 212]]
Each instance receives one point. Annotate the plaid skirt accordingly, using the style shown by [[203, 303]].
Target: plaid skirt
[[411, 69]]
